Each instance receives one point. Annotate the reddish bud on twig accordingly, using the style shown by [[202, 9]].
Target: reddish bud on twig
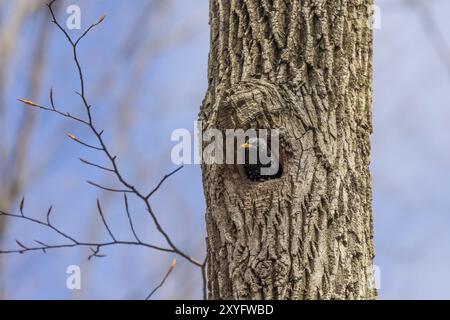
[[172, 265], [71, 136], [28, 102]]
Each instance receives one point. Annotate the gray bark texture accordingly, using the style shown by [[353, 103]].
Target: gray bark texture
[[304, 67]]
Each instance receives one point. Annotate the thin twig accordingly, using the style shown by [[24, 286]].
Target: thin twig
[[127, 209], [108, 189], [169, 271], [96, 253], [95, 165], [76, 139], [49, 212], [63, 114], [89, 29], [162, 181], [99, 207], [21, 205], [52, 102]]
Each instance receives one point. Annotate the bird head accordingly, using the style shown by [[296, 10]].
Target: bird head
[[254, 144]]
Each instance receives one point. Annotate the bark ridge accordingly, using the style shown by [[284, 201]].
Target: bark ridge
[[304, 67]]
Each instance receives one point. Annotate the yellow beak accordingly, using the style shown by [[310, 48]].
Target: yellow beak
[[246, 146]]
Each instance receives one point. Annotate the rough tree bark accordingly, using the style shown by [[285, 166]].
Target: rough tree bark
[[305, 67]]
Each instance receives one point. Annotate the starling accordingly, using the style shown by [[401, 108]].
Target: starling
[[253, 169]]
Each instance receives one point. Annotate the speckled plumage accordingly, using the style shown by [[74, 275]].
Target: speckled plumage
[[254, 170]]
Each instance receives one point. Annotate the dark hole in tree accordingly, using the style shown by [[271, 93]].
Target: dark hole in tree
[[261, 170]]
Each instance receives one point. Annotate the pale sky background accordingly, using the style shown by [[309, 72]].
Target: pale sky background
[[410, 166]]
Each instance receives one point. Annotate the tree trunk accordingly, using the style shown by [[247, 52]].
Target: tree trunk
[[305, 67]]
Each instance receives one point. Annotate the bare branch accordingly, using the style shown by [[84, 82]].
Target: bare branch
[[41, 243], [104, 220], [22, 203], [162, 181], [21, 245], [165, 235], [74, 243], [96, 253], [49, 212], [51, 100], [66, 114], [89, 29], [127, 186], [82, 244], [127, 209], [95, 165], [50, 7], [74, 138], [169, 271], [108, 189], [36, 221]]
